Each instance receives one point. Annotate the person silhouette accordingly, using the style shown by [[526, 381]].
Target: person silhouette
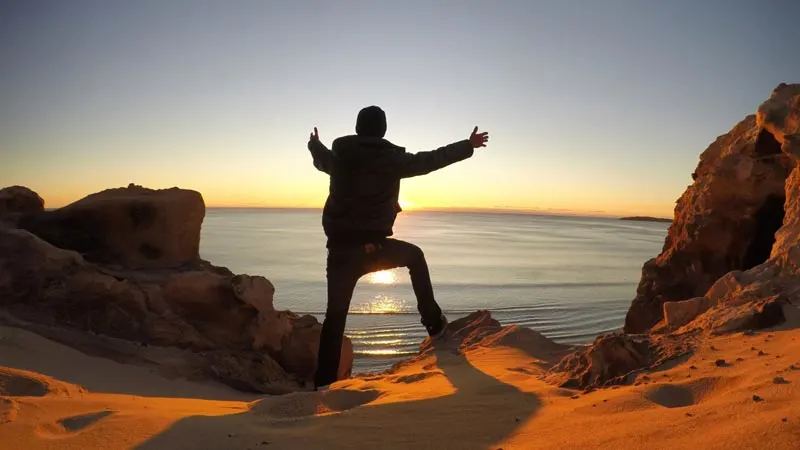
[[365, 171]]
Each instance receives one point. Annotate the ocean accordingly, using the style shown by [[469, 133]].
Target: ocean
[[570, 278]]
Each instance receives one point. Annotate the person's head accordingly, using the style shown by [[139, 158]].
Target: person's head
[[371, 122]]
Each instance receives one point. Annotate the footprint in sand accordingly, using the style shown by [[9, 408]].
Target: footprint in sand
[[81, 421], [15, 384], [670, 396], [682, 395], [304, 404], [68, 426]]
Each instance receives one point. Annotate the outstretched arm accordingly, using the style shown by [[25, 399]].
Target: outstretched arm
[[415, 164], [323, 158]]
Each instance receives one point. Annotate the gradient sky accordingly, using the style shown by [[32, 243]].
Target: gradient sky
[[592, 105]]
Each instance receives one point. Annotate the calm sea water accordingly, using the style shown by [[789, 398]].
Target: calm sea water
[[569, 278]]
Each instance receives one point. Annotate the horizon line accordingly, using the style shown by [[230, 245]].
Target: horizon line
[[465, 210]]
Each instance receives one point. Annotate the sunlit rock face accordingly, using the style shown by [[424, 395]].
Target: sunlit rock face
[[124, 264], [741, 214]]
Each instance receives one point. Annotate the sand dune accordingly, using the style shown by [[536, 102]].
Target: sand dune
[[487, 397]]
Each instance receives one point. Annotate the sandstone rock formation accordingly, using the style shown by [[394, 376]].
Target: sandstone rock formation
[[91, 279], [731, 262], [134, 227], [479, 329], [16, 200], [612, 358], [741, 215]]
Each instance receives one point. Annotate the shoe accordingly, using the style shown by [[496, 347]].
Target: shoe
[[311, 386], [437, 331]]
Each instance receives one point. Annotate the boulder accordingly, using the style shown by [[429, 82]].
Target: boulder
[[610, 358], [222, 326], [741, 212], [469, 330], [752, 315], [301, 346], [480, 330], [255, 291], [207, 302], [677, 314], [18, 200], [133, 227], [613, 358]]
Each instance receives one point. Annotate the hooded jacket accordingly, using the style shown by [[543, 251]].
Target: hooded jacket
[[365, 174]]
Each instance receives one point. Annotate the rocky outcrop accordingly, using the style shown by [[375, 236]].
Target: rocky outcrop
[[738, 301], [742, 212], [608, 360], [479, 330], [18, 200], [613, 358], [133, 227], [677, 314], [730, 263], [465, 332], [225, 325], [730, 259]]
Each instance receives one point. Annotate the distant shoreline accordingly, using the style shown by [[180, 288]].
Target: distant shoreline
[[646, 219]]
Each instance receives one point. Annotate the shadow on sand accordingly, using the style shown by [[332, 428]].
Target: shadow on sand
[[482, 412]]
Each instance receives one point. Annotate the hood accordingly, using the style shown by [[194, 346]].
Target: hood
[[371, 121]]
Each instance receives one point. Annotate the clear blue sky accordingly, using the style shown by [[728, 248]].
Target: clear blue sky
[[593, 105]]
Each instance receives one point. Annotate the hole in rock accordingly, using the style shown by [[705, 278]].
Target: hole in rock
[[766, 144], [769, 219]]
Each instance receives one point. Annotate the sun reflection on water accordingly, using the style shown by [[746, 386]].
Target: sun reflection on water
[[385, 352], [383, 277], [381, 304]]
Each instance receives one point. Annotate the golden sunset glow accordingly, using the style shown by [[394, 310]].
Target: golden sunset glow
[[406, 205], [382, 277], [433, 194]]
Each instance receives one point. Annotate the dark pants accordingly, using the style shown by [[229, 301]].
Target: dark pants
[[346, 264]]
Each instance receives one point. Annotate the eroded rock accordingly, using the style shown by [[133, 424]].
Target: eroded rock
[[609, 359], [16, 200], [135, 227], [740, 316], [467, 331], [746, 187], [677, 314], [479, 330], [612, 358], [225, 324]]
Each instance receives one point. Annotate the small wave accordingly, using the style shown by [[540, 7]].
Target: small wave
[[550, 307], [384, 332], [494, 286], [539, 285], [357, 312]]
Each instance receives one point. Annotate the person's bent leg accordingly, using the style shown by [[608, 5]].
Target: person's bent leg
[[395, 253], [341, 283]]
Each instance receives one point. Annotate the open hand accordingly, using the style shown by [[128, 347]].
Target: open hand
[[477, 139], [314, 136]]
